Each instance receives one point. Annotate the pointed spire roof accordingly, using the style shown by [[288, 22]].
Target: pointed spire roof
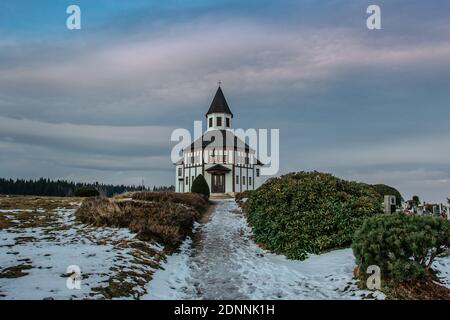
[[219, 104]]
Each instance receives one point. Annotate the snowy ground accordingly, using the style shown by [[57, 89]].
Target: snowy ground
[[227, 264], [443, 266], [223, 262], [37, 246]]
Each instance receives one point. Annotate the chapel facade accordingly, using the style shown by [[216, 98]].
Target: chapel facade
[[228, 164]]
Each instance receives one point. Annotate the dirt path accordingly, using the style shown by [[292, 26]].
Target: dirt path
[[225, 263]]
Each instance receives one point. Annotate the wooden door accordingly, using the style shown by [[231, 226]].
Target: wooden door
[[218, 183]]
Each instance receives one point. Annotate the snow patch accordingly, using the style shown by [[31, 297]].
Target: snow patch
[[49, 249]]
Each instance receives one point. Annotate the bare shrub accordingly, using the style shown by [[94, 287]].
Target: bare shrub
[[196, 200], [160, 217], [101, 212], [166, 222]]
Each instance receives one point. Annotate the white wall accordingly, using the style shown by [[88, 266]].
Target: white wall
[[229, 181], [177, 184], [238, 158], [240, 171], [214, 117]]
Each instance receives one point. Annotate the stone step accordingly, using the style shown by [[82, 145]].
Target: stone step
[[214, 196]]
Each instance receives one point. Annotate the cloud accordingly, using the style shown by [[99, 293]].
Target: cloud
[[100, 104], [122, 164], [125, 141], [419, 149], [33, 161], [415, 165], [172, 71], [430, 184]]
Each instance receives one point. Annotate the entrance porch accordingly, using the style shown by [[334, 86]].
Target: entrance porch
[[219, 175]]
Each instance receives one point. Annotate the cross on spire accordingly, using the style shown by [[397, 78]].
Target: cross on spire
[[219, 83]]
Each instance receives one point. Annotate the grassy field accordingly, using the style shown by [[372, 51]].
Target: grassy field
[[32, 211]]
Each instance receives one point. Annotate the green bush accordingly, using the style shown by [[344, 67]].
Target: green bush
[[87, 192], [199, 185], [239, 196], [403, 246], [385, 190], [309, 212]]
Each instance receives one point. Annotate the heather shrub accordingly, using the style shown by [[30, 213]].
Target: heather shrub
[[403, 246], [309, 212], [164, 222], [164, 217], [102, 211], [196, 200]]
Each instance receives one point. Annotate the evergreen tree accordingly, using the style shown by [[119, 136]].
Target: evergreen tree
[[62, 188], [199, 185], [416, 200]]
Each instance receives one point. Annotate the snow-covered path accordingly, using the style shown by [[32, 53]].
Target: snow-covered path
[[225, 263]]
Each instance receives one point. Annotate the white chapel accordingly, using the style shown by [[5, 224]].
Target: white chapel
[[228, 164]]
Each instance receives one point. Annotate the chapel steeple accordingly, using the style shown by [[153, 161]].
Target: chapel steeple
[[219, 114]]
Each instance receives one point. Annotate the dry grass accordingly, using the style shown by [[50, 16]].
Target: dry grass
[[102, 212], [423, 289], [125, 283], [15, 271], [37, 202], [426, 288], [156, 216], [39, 210], [5, 222], [197, 201], [125, 195]]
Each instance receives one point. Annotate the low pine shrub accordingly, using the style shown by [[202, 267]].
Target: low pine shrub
[[309, 212], [403, 246]]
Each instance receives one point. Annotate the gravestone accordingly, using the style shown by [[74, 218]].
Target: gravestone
[[390, 204]]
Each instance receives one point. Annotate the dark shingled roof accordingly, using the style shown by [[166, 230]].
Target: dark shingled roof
[[214, 139], [218, 139], [218, 167], [219, 104]]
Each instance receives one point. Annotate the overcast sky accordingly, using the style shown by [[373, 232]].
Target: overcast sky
[[100, 103]]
